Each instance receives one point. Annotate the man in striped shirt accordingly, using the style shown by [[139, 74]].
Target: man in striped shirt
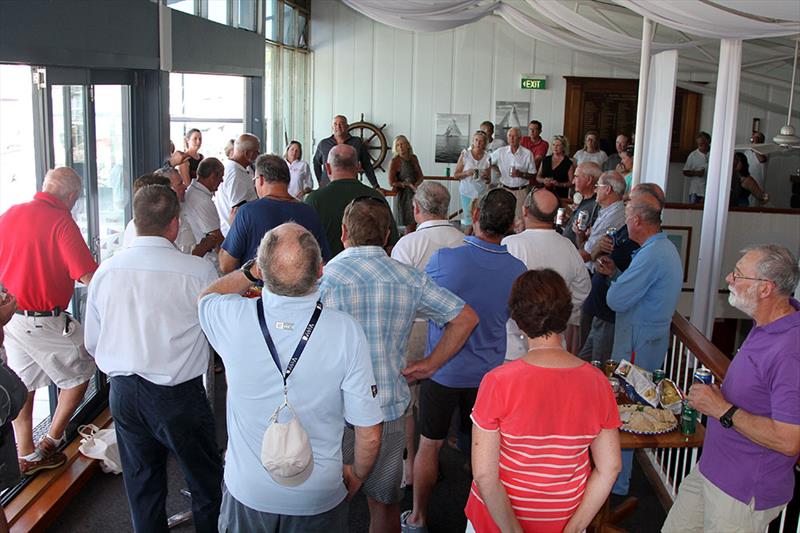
[[384, 296]]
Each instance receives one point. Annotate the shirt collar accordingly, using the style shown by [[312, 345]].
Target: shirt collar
[[149, 241], [616, 205], [485, 245], [289, 303], [360, 251], [197, 185], [51, 199], [434, 224], [783, 324], [650, 240]]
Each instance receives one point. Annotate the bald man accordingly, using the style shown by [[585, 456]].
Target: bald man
[[540, 246], [237, 182], [340, 136], [42, 254]]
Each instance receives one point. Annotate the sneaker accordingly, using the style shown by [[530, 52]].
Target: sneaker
[[54, 460], [48, 446], [405, 527]]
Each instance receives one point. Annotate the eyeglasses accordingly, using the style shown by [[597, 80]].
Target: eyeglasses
[[739, 276], [601, 185]]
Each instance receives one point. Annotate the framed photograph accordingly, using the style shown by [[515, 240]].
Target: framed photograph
[[681, 237], [452, 136], [509, 115]]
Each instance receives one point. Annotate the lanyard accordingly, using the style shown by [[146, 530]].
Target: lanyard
[[300, 345]]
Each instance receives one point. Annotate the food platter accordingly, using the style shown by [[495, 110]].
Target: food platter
[[651, 421]]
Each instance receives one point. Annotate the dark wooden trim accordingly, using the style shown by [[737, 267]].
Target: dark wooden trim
[[45, 498], [655, 482], [770, 210], [705, 351]]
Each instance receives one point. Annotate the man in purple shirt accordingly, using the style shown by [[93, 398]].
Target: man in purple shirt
[[745, 476]]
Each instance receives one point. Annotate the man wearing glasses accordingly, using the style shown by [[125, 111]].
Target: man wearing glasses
[[610, 188], [237, 183], [745, 476]]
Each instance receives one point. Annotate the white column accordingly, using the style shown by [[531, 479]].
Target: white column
[[720, 163], [641, 102], [658, 122]]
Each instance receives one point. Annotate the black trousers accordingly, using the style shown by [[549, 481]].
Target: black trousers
[[152, 420]]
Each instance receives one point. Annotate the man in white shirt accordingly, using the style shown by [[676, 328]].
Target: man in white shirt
[[540, 246], [332, 381], [492, 144], [200, 210], [237, 185], [185, 241], [431, 202], [696, 168], [517, 167], [757, 163], [143, 329], [151, 178], [610, 190]]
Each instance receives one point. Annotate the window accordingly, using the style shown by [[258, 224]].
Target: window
[[237, 13], [212, 104], [17, 158], [187, 6]]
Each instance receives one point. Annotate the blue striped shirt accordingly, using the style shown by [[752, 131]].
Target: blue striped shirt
[[384, 296]]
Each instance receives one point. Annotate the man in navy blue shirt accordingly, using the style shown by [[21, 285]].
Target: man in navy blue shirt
[[274, 207], [481, 273]]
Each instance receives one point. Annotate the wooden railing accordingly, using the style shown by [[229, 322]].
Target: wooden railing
[[689, 349]]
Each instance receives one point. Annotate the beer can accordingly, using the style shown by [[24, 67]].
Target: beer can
[[560, 216], [609, 367], [597, 364], [583, 220], [615, 385], [703, 375], [688, 419], [611, 232], [658, 375], [477, 174]]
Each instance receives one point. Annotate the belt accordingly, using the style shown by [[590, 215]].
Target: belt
[[55, 312], [515, 188]]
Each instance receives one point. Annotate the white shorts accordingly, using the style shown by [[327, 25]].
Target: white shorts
[[39, 352], [701, 506]]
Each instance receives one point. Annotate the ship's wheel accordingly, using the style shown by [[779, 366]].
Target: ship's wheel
[[373, 138]]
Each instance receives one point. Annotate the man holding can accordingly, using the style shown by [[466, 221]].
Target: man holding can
[[745, 477]]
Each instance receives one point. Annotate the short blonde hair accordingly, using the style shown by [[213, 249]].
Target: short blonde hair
[[563, 140]]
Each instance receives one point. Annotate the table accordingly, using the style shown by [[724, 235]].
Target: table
[[606, 519]]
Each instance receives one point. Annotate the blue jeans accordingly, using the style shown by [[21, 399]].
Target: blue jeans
[[152, 420]]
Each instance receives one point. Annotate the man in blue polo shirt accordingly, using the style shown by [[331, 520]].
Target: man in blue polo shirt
[[481, 273], [274, 207]]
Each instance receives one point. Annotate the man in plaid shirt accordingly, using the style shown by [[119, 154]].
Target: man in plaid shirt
[[385, 296]]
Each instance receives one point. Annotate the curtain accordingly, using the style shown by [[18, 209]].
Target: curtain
[[774, 9], [424, 15]]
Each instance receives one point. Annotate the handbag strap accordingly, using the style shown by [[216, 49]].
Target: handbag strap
[[300, 345]]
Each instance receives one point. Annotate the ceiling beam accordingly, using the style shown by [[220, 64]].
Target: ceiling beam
[[761, 62]]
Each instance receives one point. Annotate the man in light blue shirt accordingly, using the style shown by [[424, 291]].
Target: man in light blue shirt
[[142, 328], [332, 381], [482, 273], [644, 296], [385, 296]]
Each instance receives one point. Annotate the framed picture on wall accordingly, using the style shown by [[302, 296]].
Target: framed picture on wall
[[509, 115], [681, 237], [452, 136]]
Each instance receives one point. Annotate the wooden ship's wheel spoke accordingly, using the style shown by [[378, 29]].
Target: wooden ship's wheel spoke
[[374, 140]]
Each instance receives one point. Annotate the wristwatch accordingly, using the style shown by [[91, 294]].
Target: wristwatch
[[245, 268], [727, 419]]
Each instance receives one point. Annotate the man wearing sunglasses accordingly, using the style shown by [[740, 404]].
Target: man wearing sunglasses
[[745, 476]]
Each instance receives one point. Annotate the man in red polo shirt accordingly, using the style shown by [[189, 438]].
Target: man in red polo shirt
[[535, 143], [42, 253]]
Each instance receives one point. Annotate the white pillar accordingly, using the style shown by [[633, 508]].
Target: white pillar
[[641, 102], [720, 163], [657, 138]]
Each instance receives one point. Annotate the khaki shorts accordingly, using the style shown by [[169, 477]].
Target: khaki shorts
[[701, 506], [39, 352], [415, 350]]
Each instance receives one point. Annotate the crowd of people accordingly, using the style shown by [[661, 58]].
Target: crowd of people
[[360, 338]]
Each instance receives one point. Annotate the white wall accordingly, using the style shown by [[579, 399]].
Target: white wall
[[403, 79]]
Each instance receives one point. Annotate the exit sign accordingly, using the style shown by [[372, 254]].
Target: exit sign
[[533, 82]]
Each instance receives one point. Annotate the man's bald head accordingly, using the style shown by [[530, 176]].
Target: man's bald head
[[343, 161], [541, 205], [246, 148], [647, 206], [290, 260], [652, 190], [64, 183]]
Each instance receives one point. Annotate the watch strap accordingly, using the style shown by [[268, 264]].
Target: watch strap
[[246, 271], [727, 419]]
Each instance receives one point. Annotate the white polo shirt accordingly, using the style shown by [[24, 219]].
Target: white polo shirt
[[141, 313], [201, 214], [185, 241], [237, 185], [697, 160], [416, 248], [522, 160]]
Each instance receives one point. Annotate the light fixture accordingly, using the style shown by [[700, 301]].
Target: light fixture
[[787, 136]]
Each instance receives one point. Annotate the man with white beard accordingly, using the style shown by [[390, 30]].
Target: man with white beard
[[745, 476]]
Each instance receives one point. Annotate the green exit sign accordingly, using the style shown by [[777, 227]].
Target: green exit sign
[[539, 82]]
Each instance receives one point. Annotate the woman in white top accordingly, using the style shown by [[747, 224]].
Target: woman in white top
[[471, 159], [591, 152], [301, 182]]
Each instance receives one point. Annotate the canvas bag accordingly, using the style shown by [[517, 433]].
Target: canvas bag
[[286, 452], [101, 444]]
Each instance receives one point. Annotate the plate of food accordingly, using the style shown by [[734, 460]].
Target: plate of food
[[646, 420]]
